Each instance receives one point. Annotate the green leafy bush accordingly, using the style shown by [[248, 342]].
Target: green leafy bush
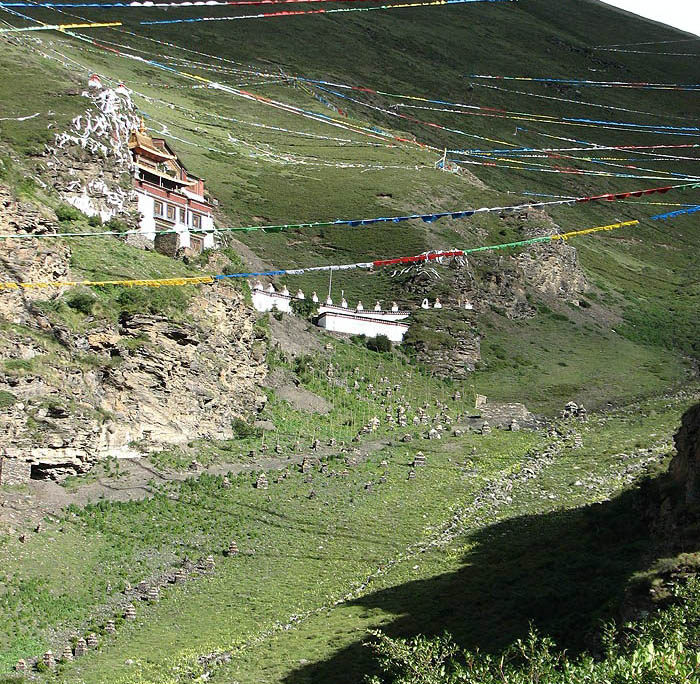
[[659, 650], [67, 214], [304, 308], [244, 429], [6, 399], [116, 225], [82, 302], [380, 343]]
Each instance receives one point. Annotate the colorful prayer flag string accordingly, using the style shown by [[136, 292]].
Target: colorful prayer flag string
[[59, 27], [594, 84], [356, 223], [265, 15], [420, 258]]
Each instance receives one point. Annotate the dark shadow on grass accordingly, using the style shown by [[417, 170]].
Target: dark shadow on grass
[[563, 572]]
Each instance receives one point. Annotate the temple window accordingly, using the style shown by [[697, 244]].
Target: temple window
[[196, 221], [171, 212], [158, 208]]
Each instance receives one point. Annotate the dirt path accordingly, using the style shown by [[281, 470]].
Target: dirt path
[[23, 507]]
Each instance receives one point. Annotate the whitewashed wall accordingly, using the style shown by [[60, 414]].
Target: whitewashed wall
[[353, 325]]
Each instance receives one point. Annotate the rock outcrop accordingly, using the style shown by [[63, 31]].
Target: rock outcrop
[[685, 466], [28, 259], [144, 383], [89, 164]]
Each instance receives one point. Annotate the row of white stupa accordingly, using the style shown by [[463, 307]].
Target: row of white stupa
[[270, 294]]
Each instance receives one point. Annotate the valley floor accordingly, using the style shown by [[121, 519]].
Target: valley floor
[[494, 532]]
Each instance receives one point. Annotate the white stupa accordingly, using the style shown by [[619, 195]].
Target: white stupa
[[94, 82]]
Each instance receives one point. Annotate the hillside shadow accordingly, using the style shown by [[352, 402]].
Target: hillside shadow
[[563, 572]]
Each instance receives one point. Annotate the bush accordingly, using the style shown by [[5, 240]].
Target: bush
[[82, 302], [304, 308], [67, 214], [244, 429], [95, 221], [116, 225], [659, 650], [6, 399], [380, 343]]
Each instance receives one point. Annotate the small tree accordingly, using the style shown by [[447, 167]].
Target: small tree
[[380, 343]]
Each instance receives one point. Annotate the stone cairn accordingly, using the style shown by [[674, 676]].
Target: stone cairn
[[91, 640], [48, 660], [153, 594], [180, 576], [81, 646], [419, 460], [411, 474], [232, 549], [130, 612], [21, 666], [261, 482], [485, 428], [305, 465], [573, 410], [209, 564], [110, 627], [514, 426], [577, 442]]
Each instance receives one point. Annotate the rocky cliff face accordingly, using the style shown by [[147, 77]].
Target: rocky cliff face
[[115, 389], [451, 343], [28, 259], [685, 466], [89, 164]]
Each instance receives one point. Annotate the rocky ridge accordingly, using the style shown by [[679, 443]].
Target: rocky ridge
[[147, 381], [89, 164]]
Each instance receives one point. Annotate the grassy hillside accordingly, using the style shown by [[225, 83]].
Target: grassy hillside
[[296, 604], [424, 52]]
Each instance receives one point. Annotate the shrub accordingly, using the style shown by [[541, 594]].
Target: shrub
[[303, 308], [380, 343], [82, 302], [659, 650], [6, 399], [244, 429], [67, 214], [95, 221], [116, 225]]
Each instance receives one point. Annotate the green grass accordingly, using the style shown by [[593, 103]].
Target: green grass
[[506, 568], [306, 551]]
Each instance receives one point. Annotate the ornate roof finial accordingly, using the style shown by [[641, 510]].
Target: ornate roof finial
[[142, 126]]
